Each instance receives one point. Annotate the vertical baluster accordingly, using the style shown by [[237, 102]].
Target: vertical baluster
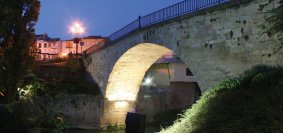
[[185, 6], [166, 13], [153, 18], [196, 4], [209, 2], [172, 13], [182, 8], [191, 6], [158, 16], [179, 9], [176, 10], [163, 14], [188, 6], [139, 21]]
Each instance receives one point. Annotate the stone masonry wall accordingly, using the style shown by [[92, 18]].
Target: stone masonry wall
[[82, 111], [215, 44]]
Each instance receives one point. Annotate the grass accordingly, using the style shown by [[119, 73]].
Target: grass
[[250, 103]]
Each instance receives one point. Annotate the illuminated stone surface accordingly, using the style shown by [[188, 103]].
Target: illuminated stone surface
[[215, 45], [128, 72]]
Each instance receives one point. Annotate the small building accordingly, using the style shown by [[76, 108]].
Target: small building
[[52, 48], [47, 48], [69, 46]]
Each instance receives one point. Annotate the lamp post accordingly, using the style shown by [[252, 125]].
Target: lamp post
[[77, 29]]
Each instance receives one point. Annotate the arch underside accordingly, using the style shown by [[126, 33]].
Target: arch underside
[[127, 74]]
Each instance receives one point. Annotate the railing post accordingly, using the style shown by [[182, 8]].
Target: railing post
[[196, 1], [139, 21], [178, 9], [163, 16]]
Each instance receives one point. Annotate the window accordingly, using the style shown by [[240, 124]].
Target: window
[[53, 44], [45, 45], [49, 44], [69, 45], [39, 45], [188, 72]]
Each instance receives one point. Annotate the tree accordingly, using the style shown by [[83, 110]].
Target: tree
[[274, 18], [18, 18]]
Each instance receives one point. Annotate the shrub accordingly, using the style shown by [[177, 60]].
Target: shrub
[[115, 127], [251, 103]]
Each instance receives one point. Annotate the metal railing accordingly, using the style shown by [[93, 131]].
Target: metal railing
[[184, 7]]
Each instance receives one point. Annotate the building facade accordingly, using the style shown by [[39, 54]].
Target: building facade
[[52, 48], [85, 43], [47, 48]]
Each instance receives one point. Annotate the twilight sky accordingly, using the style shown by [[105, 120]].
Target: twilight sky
[[100, 17]]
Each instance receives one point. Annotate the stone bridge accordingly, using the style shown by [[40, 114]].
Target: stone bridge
[[216, 42]]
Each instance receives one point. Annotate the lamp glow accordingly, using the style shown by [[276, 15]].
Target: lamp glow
[[77, 29], [148, 81], [64, 55]]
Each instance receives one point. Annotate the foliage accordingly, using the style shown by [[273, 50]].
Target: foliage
[[166, 118], [56, 60], [39, 89], [251, 103], [114, 127], [17, 37], [11, 118], [75, 65], [57, 124], [38, 93], [274, 18], [44, 94]]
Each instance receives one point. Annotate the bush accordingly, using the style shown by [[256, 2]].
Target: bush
[[115, 127], [251, 103], [57, 123], [166, 118]]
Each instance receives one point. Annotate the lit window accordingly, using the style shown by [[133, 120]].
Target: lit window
[[69, 45]]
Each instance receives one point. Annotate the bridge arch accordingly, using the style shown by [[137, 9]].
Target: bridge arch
[[128, 72], [217, 43]]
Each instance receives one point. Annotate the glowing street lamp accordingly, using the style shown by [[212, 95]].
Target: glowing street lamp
[[77, 29], [148, 81]]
